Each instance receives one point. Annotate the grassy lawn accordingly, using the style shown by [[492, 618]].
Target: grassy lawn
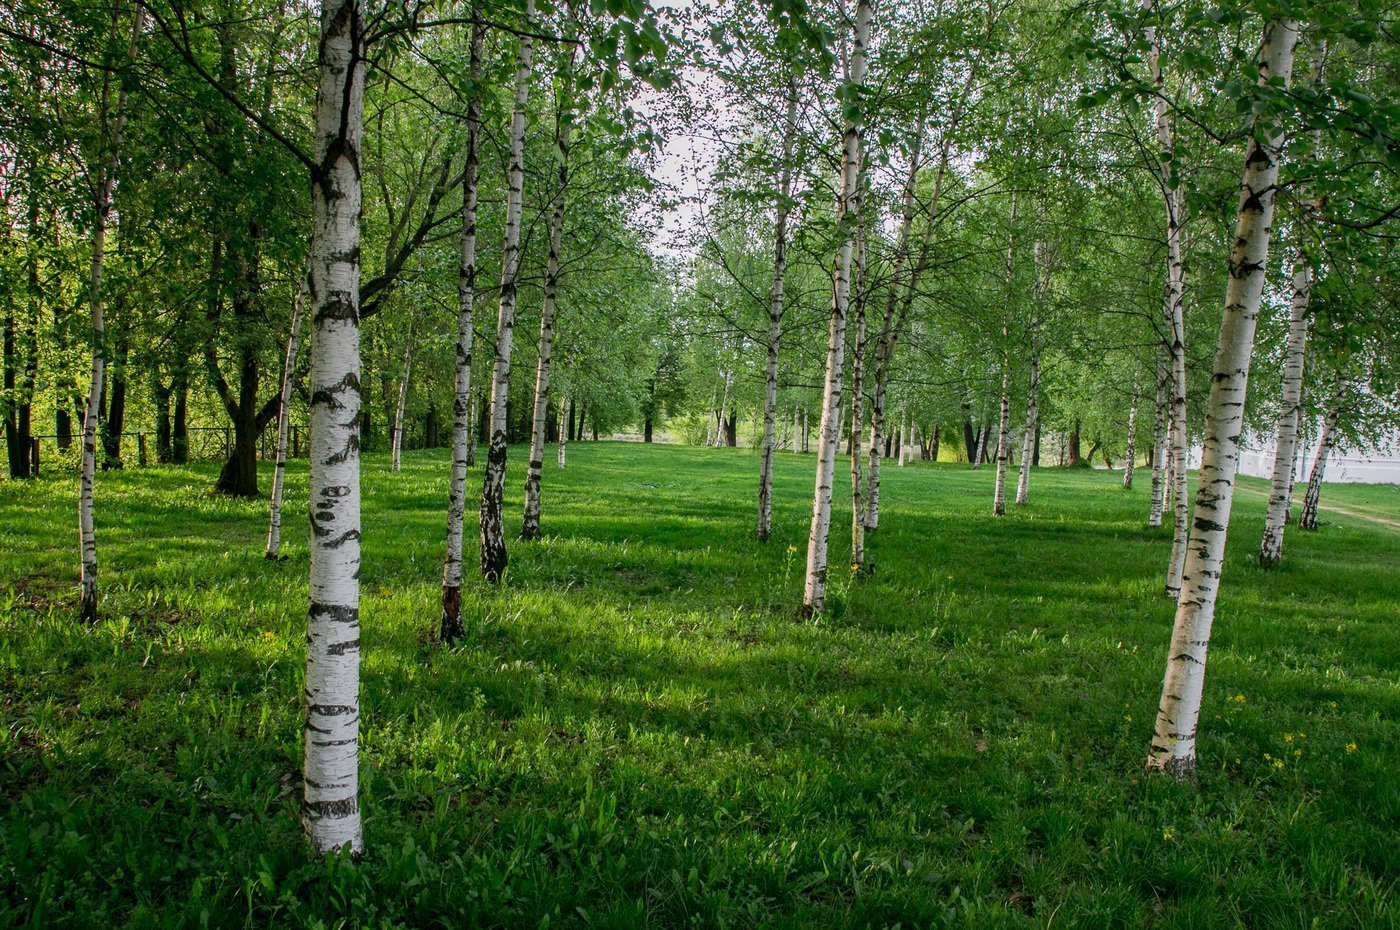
[[640, 731]]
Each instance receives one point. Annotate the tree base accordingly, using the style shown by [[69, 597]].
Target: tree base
[[451, 628]]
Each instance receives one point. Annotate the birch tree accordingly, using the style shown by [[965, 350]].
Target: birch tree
[[105, 181], [775, 322], [1004, 424], [1290, 414], [530, 527], [829, 437], [1173, 748], [463, 401], [1326, 440], [396, 436], [284, 404], [330, 808], [493, 541]]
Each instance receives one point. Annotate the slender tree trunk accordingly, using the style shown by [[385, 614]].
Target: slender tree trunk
[[464, 422], [1160, 476], [1307, 520], [284, 409], [1031, 441], [493, 540], [1074, 459], [1174, 739], [1130, 453], [331, 809], [530, 526], [858, 513], [982, 435], [106, 182], [563, 434], [814, 594], [396, 440], [114, 423], [775, 324], [1004, 424], [1290, 410]]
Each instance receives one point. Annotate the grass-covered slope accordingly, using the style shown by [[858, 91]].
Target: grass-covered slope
[[639, 730]]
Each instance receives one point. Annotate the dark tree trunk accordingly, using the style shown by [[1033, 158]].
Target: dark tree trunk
[[1035, 454], [179, 427], [573, 430], [970, 439], [646, 430], [731, 431], [430, 428], [115, 421], [63, 429], [933, 445], [239, 476], [1074, 457], [162, 423]]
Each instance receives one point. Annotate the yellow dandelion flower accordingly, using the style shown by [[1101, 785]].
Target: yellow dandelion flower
[[1278, 763], [791, 549], [1351, 747], [1168, 835], [1288, 737]]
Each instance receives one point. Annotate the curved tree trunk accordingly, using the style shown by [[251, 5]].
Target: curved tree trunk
[[464, 424], [1307, 520], [284, 399], [331, 808], [1174, 738], [775, 325], [814, 593], [530, 527], [493, 537]]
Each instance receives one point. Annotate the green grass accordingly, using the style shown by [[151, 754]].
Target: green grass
[[640, 731]]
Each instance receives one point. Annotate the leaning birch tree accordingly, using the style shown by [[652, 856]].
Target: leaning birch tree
[[330, 806], [1173, 748]]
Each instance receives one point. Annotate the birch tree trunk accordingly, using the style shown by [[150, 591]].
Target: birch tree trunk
[[530, 526], [284, 409], [1307, 519], [1286, 435], [104, 188], [1023, 481], [330, 808], [775, 324], [396, 441], [563, 433], [1130, 453], [1173, 747], [796, 432], [493, 540], [1172, 314], [858, 513], [829, 437], [1004, 424], [464, 425], [1159, 443]]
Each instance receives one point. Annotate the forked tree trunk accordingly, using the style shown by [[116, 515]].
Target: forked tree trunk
[[106, 183], [814, 593], [396, 440], [493, 537], [330, 809], [284, 409], [1290, 412], [464, 423], [775, 324], [1307, 519], [1130, 453], [534, 474], [1174, 739]]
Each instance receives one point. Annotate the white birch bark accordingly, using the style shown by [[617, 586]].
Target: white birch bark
[[530, 525], [1023, 480], [1174, 739], [563, 431], [1130, 453], [493, 538], [796, 432], [284, 409], [463, 400], [775, 324], [829, 437], [330, 808], [858, 513], [1160, 477], [1307, 519], [1004, 424], [105, 188], [396, 441], [1290, 412]]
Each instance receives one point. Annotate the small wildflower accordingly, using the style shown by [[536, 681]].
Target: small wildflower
[[792, 550], [1351, 747], [1267, 757], [1239, 699], [1332, 704], [1297, 752], [1278, 763], [268, 634], [1168, 835], [1288, 737], [854, 568], [1128, 717]]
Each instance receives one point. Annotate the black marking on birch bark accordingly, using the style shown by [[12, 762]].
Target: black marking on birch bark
[[1204, 525], [328, 395], [335, 742], [331, 710], [334, 613], [338, 306], [352, 447], [339, 649], [330, 810], [324, 731]]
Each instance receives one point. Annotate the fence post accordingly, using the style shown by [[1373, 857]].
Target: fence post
[[141, 449]]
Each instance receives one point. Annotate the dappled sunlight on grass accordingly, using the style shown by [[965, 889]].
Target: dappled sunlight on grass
[[639, 728]]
